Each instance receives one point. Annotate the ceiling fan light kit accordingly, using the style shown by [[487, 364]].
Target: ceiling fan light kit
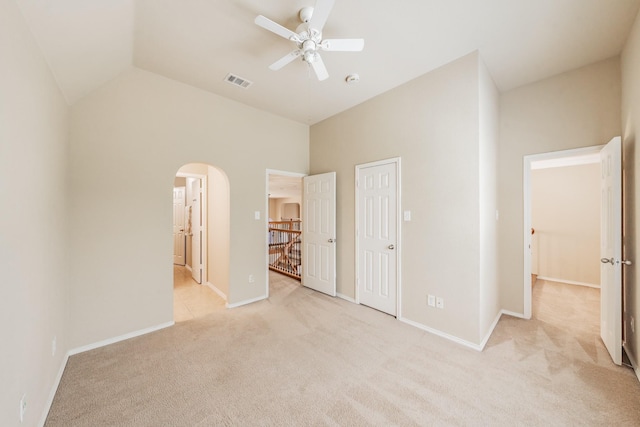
[[308, 38]]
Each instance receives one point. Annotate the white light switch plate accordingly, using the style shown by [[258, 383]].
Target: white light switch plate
[[407, 215], [256, 214]]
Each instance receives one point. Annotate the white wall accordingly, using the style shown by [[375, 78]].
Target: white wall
[[433, 124], [631, 163], [580, 108], [565, 212], [33, 226], [122, 277]]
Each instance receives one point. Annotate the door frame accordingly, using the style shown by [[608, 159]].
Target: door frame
[[266, 217], [398, 252], [204, 241], [526, 250]]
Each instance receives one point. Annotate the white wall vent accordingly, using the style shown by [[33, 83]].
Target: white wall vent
[[238, 81]]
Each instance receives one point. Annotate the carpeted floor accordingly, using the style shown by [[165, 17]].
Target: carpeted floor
[[303, 358]]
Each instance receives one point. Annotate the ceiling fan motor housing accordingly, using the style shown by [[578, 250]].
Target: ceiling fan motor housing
[[305, 14]]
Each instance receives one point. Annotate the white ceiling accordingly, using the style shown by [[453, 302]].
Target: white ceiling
[[199, 42]]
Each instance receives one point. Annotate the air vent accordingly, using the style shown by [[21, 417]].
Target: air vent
[[238, 81]]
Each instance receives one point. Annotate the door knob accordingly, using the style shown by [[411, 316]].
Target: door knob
[[607, 260], [391, 247], [627, 262], [330, 240]]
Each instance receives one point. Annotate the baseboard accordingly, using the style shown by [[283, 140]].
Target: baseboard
[[441, 334], [634, 365], [569, 282], [119, 338], [513, 314], [245, 302], [217, 291], [346, 298], [54, 389], [483, 343]]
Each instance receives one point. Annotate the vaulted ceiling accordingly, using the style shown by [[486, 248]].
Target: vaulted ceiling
[[198, 42]]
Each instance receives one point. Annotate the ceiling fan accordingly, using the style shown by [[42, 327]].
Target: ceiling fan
[[308, 38]]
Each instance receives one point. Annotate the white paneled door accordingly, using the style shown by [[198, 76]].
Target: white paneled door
[[196, 229], [319, 233], [178, 225], [376, 231], [611, 249]]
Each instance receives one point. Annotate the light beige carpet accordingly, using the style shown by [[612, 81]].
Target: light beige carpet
[[303, 358]]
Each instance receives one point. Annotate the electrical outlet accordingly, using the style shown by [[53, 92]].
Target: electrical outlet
[[440, 302], [431, 300], [633, 325], [53, 346], [251, 278], [23, 407]]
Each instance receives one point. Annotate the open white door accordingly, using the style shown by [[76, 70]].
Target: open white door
[[196, 230], [178, 225], [319, 233], [611, 249]]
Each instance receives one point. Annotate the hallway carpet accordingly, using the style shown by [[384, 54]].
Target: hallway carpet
[[303, 358]]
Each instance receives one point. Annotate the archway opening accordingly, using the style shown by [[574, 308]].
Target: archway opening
[[201, 235]]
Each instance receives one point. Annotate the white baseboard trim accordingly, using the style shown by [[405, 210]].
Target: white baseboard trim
[[119, 338], [513, 314], [54, 389], [441, 334], [346, 298], [484, 341], [569, 282], [634, 365], [217, 291], [245, 302]]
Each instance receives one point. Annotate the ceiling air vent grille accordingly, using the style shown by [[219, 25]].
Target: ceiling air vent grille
[[238, 81]]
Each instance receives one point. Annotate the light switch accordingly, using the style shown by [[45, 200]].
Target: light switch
[[407, 215], [256, 214]]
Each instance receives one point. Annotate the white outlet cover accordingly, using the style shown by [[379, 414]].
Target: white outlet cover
[[407, 216], [256, 214]]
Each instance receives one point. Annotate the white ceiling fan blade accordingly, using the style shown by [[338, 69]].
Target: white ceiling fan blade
[[274, 27], [285, 60], [343, 45], [320, 14], [319, 68]]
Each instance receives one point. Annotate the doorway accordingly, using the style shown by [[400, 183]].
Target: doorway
[[201, 284], [610, 187], [284, 225], [565, 244]]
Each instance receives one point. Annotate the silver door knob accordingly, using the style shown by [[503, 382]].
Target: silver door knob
[[607, 260], [391, 247], [627, 262], [330, 240]]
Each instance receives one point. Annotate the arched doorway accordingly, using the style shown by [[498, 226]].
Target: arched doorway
[[201, 241]]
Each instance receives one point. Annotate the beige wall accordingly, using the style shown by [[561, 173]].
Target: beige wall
[[219, 227], [33, 228], [565, 212], [278, 208], [489, 99], [580, 108], [631, 162], [433, 124], [122, 278]]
